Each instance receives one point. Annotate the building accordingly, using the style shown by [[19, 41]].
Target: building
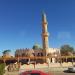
[[28, 52], [45, 44], [24, 52]]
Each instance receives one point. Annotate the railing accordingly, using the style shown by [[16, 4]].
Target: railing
[[35, 57], [43, 57]]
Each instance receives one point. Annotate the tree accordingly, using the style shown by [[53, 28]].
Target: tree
[[66, 50]]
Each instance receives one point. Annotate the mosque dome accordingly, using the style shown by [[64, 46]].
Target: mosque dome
[[36, 46]]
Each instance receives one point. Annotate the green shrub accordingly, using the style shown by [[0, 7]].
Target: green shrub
[[2, 69]]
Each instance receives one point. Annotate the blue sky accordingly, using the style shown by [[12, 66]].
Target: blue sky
[[21, 23]]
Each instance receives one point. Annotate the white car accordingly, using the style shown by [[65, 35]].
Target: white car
[[71, 69]]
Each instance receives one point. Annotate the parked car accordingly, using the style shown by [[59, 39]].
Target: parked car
[[71, 69], [34, 72]]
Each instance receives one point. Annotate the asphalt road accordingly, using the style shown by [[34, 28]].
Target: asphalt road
[[62, 73], [53, 73]]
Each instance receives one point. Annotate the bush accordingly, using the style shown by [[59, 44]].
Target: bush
[[2, 69]]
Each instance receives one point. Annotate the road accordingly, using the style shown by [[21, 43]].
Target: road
[[62, 73], [53, 73]]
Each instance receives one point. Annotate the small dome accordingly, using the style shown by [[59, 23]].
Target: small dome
[[36, 46]]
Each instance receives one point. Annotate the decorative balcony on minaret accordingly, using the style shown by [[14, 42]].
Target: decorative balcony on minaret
[[45, 34]]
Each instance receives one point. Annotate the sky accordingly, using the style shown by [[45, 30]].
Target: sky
[[21, 23]]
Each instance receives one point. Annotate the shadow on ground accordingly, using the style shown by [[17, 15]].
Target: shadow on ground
[[67, 71]]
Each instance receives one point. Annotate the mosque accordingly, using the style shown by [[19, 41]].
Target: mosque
[[45, 45]]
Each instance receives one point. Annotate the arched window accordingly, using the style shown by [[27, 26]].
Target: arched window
[[23, 54], [38, 54], [41, 54], [33, 54]]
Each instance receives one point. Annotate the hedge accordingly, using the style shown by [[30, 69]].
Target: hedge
[[2, 69]]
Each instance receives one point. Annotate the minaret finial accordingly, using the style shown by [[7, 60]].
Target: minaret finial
[[44, 17]]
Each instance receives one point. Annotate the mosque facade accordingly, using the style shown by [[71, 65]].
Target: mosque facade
[[46, 50]]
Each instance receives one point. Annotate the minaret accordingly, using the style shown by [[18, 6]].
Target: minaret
[[45, 35]]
